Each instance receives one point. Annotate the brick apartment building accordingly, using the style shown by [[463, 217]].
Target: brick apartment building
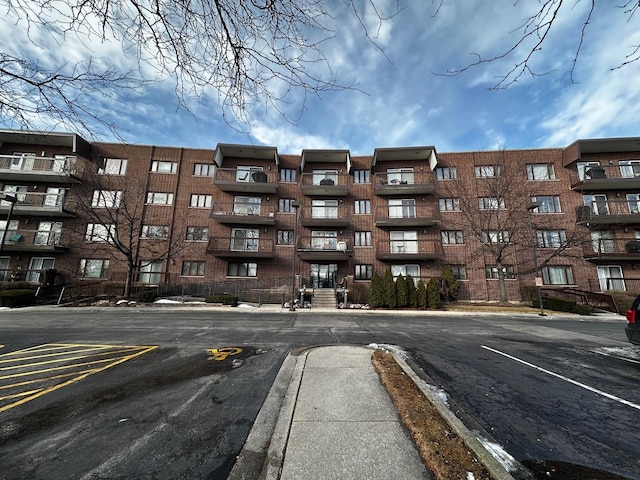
[[248, 212]]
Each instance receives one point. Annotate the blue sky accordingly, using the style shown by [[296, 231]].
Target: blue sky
[[400, 100]]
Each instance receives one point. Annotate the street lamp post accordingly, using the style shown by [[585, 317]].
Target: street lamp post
[[533, 206], [12, 199], [295, 206]]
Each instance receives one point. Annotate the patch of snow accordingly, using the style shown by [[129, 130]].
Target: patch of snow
[[499, 453], [437, 392], [631, 351], [120, 302], [390, 348], [470, 476], [245, 305], [166, 300]]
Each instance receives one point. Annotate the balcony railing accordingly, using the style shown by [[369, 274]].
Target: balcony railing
[[418, 215], [606, 177], [244, 213], [392, 250], [247, 181], [32, 241], [323, 248], [609, 212], [325, 184], [31, 168], [325, 216], [625, 248], [239, 247], [42, 204], [405, 183]]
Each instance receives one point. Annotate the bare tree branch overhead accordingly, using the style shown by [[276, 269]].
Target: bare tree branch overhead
[[243, 51], [533, 33]]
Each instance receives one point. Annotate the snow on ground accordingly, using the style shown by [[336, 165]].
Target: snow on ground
[[390, 348], [630, 352], [499, 453]]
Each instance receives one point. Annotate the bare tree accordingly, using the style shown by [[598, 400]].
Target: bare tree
[[534, 31], [246, 50]]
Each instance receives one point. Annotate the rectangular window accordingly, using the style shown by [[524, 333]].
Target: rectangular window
[[113, 166], [159, 198], [491, 272], [164, 167], [285, 205], [324, 209], [150, 272], [491, 203], [449, 204], [249, 173], [288, 175], [400, 175], [246, 205], [244, 239], [155, 231], [487, 171], [629, 168], [540, 171], [191, 268], [362, 207], [97, 232], [325, 177], [247, 269], [459, 272], [197, 234], [324, 240], [597, 203], [363, 272], [551, 238], [18, 191], [200, 201], [404, 270], [106, 198], [203, 170], [557, 275], [11, 231], [451, 237], [361, 176], [362, 239], [590, 170], [548, 204], [93, 268], [285, 237], [495, 237], [402, 208], [403, 242], [446, 173], [48, 233]]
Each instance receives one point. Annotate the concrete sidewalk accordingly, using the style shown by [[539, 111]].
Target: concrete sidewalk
[[328, 417]]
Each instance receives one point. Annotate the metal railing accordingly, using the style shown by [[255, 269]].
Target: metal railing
[[27, 163], [46, 201], [235, 175]]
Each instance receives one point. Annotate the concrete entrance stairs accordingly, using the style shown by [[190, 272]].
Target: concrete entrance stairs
[[323, 298]]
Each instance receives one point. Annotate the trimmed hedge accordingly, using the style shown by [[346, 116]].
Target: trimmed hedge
[[225, 299], [17, 297], [148, 296], [563, 305]]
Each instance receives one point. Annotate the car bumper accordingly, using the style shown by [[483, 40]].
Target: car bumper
[[633, 333]]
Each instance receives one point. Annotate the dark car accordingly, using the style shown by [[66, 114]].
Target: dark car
[[633, 317]]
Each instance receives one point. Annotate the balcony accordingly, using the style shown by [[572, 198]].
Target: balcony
[[237, 213], [245, 181], [612, 249], [39, 169], [33, 241], [408, 250], [325, 184], [606, 177], [406, 216], [323, 249], [236, 247], [406, 183], [323, 216], [40, 204], [609, 212]]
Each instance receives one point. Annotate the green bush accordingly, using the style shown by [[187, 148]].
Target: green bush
[[225, 299], [433, 293], [359, 293], [582, 309], [421, 295], [17, 297], [389, 290], [412, 299], [376, 291], [401, 291], [562, 305], [451, 284], [147, 296]]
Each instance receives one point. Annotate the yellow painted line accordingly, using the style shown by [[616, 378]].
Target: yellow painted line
[[21, 394], [142, 351], [57, 360], [53, 369], [44, 379], [220, 354], [7, 359], [64, 346]]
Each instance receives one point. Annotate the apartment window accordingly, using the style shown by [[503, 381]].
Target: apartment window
[[361, 176], [325, 177], [191, 268], [629, 168], [246, 205], [150, 272], [363, 272], [633, 201], [203, 170], [586, 170], [97, 232], [446, 173], [48, 233], [551, 238], [5, 273], [245, 269], [495, 237], [54, 197], [490, 203], [491, 272], [451, 237], [404, 270], [93, 268], [597, 203], [548, 204], [449, 204], [403, 242], [197, 234], [540, 171], [18, 191], [288, 175], [487, 171], [402, 208], [400, 175], [557, 275], [459, 272], [13, 226], [602, 241], [362, 239], [249, 173], [159, 198], [362, 207], [155, 231], [200, 201], [285, 237], [324, 209], [106, 198], [324, 240], [285, 205], [244, 239], [113, 166], [36, 266], [164, 167]]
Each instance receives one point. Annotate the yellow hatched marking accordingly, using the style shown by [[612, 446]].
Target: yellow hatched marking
[[75, 376], [10, 357], [57, 360]]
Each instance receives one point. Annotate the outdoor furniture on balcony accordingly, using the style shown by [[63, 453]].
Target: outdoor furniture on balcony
[[394, 250], [240, 213], [29, 168], [40, 204], [236, 247], [245, 181], [595, 178], [328, 184], [415, 183], [323, 249]]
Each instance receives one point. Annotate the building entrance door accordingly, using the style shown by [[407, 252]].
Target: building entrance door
[[323, 275]]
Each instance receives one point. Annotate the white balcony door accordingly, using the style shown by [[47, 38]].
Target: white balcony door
[[48, 233], [402, 208], [404, 242], [602, 242], [22, 161], [246, 205], [610, 277], [321, 240], [244, 239], [36, 265], [150, 273], [324, 209], [597, 203], [54, 197]]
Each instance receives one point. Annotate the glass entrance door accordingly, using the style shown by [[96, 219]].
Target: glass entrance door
[[323, 275]]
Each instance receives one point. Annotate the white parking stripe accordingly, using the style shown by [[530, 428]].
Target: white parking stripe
[[566, 379]]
